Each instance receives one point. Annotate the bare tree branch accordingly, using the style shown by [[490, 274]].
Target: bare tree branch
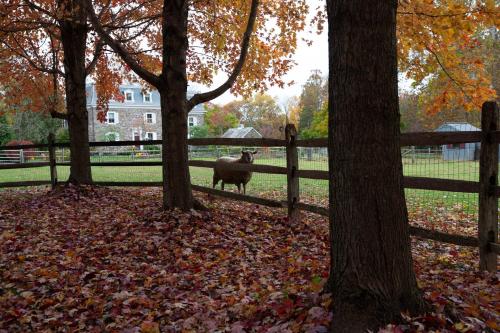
[[24, 55], [40, 9], [207, 96]]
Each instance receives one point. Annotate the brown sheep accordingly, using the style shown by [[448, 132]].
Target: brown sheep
[[236, 177]]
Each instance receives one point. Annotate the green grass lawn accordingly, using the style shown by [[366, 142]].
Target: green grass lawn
[[274, 186]]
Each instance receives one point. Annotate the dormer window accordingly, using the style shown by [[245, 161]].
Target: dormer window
[[129, 96], [147, 97]]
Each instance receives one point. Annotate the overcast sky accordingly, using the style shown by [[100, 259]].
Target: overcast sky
[[308, 58]]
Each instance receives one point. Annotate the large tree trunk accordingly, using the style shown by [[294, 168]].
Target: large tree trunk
[[371, 278], [176, 179], [74, 39]]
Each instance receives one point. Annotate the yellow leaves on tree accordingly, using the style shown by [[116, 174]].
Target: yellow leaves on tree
[[444, 46], [215, 31]]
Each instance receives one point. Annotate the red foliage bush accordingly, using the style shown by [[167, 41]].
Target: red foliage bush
[[28, 153]]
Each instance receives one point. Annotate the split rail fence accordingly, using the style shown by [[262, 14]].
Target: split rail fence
[[487, 187]]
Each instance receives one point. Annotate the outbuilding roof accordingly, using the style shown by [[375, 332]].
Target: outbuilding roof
[[241, 132], [457, 127]]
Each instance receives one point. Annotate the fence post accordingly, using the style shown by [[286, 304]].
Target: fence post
[[292, 165], [52, 161], [488, 177], [21, 155]]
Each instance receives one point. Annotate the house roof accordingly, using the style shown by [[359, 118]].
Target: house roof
[[240, 132], [138, 98], [457, 127]]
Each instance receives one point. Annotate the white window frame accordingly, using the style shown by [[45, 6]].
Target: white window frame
[[153, 118], [154, 136], [148, 94], [191, 122], [115, 118], [131, 92], [116, 134]]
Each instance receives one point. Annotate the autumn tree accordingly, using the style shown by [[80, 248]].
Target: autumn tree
[[319, 124], [415, 117], [291, 107], [371, 279], [224, 45], [441, 41], [220, 119], [51, 38], [264, 114], [312, 98], [440, 93]]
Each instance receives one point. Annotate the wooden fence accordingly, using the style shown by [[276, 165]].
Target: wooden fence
[[487, 187]]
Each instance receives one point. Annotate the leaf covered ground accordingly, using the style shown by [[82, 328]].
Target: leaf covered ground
[[109, 260]]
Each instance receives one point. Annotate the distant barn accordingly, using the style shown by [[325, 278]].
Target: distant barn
[[242, 133], [459, 151]]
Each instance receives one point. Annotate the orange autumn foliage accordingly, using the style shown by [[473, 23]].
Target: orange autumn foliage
[[441, 43], [440, 40]]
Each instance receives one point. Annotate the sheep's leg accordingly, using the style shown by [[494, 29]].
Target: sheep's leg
[[215, 180], [222, 186], [239, 187], [244, 188]]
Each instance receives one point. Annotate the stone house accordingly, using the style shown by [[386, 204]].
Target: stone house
[[138, 117]]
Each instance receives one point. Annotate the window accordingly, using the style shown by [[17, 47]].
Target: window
[[150, 136], [129, 96], [112, 118], [111, 136], [191, 121], [150, 118], [147, 98]]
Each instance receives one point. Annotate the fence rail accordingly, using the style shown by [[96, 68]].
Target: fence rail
[[418, 139], [487, 187]]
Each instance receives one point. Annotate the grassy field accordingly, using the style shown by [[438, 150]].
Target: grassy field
[[275, 185]]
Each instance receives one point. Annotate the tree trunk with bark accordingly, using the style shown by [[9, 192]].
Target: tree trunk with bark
[[371, 278], [172, 86], [74, 41], [173, 90]]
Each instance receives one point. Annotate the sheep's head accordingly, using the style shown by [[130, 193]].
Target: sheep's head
[[247, 156]]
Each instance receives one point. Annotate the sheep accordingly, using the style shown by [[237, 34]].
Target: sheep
[[236, 177]]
